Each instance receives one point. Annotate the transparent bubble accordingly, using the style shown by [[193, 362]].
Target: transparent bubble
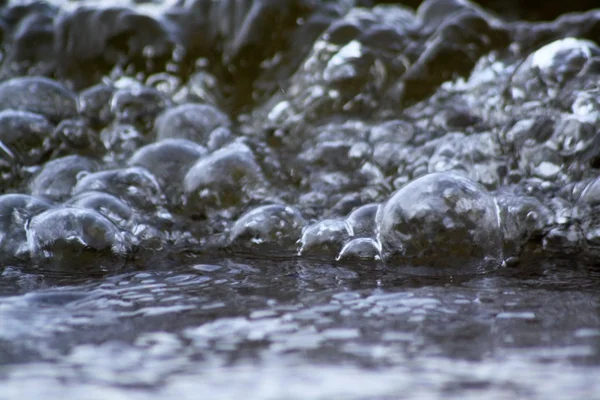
[[590, 195], [360, 249], [68, 238], [75, 136], [106, 204], [361, 222], [135, 185], [552, 66], [219, 138], [389, 156], [574, 138], [94, 103], [164, 82], [274, 224], [38, 95], [476, 156], [523, 218], [588, 215], [226, 178], [194, 122], [563, 59], [394, 131], [169, 160], [58, 177], [441, 224], [138, 105], [202, 87], [22, 136], [15, 212], [122, 140], [325, 237], [332, 154]]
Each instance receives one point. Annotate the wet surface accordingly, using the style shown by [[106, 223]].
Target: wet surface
[[308, 200], [295, 329]]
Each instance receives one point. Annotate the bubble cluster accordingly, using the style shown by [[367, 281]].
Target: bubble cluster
[[441, 140]]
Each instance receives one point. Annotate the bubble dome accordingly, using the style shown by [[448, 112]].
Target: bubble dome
[[441, 223]]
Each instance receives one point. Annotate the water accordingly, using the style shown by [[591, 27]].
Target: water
[[309, 200], [293, 329]]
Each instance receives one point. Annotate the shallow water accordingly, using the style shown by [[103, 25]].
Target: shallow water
[[298, 330], [309, 200]]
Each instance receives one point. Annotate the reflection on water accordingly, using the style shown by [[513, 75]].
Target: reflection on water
[[298, 330]]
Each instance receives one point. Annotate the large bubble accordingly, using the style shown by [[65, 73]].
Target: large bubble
[[324, 238], [274, 225], [106, 204], [58, 177], [553, 66], [38, 95], [169, 160], [229, 177], [441, 224], [76, 239], [134, 184]]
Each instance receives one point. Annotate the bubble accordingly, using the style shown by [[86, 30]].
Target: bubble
[[202, 87], [360, 249], [226, 178], [106, 204], [361, 222], [590, 195], [169, 160], [563, 59], [523, 218], [552, 66], [219, 138], [476, 156], [122, 140], [432, 13], [441, 224], [135, 185], [22, 135], [58, 177], [564, 239], [194, 122], [15, 212], [330, 153], [537, 129], [389, 156], [325, 237], [38, 95], [587, 206], [394, 131], [164, 82], [94, 103], [75, 136], [273, 224], [68, 238], [574, 138], [138, 105]]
